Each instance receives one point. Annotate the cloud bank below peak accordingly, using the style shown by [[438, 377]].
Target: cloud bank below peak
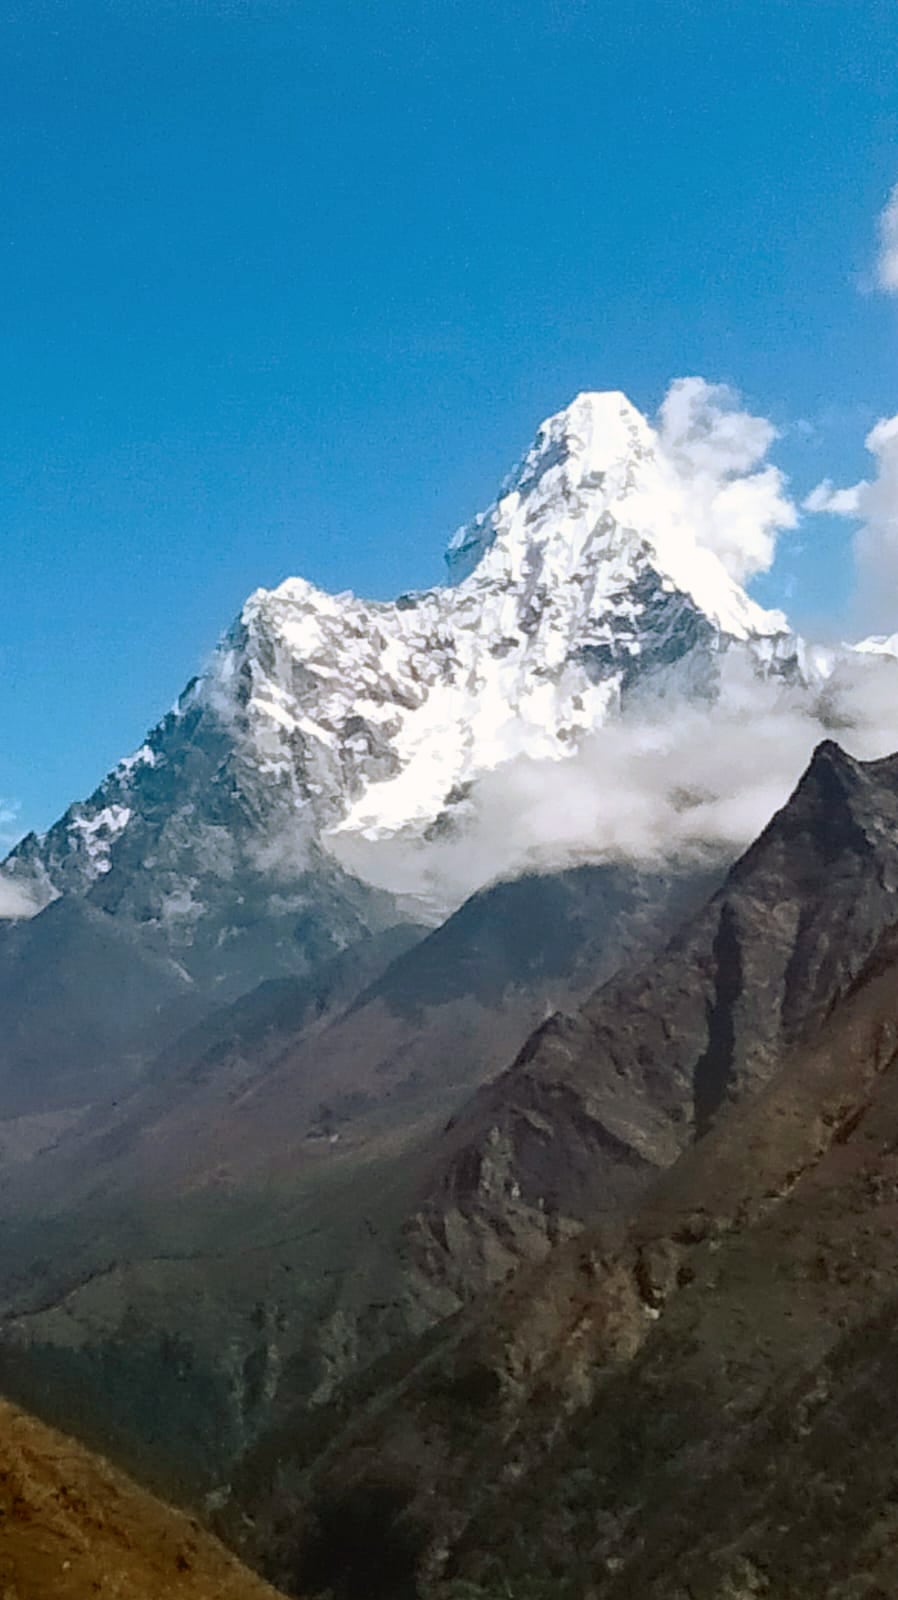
[[16, 904], [687, 782]]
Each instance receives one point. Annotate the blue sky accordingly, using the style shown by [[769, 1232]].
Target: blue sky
[[286, 287]]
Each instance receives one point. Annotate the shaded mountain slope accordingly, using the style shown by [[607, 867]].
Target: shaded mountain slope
[[442, 1018], [230, 1234], [64, 1040], [92, 990], [746, 1448], [401, 1018], [692, 1401], [175, 897], [599, 1101], [72, 1528]]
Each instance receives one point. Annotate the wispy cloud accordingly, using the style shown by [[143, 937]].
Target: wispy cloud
[[832, 501], [10, 827], [873, 505], [887, 259], [16, 901], [15, 898]]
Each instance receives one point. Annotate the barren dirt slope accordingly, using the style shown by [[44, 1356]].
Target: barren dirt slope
[[72, 1527]]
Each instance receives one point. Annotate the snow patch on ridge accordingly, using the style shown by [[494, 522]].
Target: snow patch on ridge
[[96, 834]]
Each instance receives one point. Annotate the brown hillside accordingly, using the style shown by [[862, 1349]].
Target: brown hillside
[[72, 1527]]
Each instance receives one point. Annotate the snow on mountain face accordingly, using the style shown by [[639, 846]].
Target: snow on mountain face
[[581, 589], [594, 464], [581, 580]]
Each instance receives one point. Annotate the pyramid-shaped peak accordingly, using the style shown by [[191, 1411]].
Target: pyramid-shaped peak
[[597, 430], [591, 503], [595, 407], [832, 772], [592, 447], [839, 804], [830, 781], [829, 756]]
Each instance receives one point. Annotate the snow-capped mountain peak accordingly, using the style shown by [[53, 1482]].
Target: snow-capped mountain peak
[[582, 586], [595, 485], [593, 445]]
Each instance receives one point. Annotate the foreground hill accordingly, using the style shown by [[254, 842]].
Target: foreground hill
[[72, 1528]]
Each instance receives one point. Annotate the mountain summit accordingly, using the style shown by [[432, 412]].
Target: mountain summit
[[594, 469]]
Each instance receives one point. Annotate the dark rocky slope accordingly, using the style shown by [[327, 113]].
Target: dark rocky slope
[[599, 1101], [439, 1020], [691, 1399]]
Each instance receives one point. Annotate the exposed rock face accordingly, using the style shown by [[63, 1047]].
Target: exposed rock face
[[727, 1429], [166, 906], [598, 1102]]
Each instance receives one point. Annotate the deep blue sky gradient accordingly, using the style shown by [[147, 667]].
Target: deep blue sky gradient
[[286, 287]]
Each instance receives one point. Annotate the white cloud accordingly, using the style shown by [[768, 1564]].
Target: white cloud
[[873, 503], [10, 827], [887, 259], [689, 782], [835, 502], [16, 900], [735, 500]]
